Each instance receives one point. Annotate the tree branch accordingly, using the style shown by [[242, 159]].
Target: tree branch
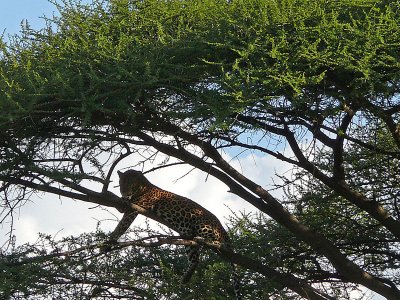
[[373, 208], [105, 198], [338, 168]]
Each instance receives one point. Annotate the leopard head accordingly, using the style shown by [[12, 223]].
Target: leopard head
[[132, 182]]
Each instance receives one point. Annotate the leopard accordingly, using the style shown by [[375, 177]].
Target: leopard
[[185, 216]]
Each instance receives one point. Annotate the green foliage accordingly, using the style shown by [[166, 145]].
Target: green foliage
[[38, 270], [106, 55]]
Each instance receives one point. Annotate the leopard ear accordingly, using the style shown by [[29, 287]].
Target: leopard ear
[[119, 173]]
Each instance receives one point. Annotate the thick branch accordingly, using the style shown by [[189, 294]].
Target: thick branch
[[386, 116], [105, 198], [374, 209], [338, 168]]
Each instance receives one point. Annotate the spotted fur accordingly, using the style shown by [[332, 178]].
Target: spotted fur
[[181, 214]]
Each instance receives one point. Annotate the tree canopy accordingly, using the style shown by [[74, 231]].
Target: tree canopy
[[314, 84]]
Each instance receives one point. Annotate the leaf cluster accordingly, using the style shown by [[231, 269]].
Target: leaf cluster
[[227, 55]]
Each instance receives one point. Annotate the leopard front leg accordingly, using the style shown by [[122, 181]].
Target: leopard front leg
[[121, 228]]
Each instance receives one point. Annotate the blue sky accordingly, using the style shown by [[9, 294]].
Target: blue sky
[[12, 12]]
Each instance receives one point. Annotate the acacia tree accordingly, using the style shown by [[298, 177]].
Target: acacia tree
[[190, 79]]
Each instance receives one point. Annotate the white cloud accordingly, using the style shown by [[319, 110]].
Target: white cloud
[[27, 228], [52, 215]]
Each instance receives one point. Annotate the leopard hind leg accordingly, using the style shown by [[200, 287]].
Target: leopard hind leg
[[193, 255], [236, 282]]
